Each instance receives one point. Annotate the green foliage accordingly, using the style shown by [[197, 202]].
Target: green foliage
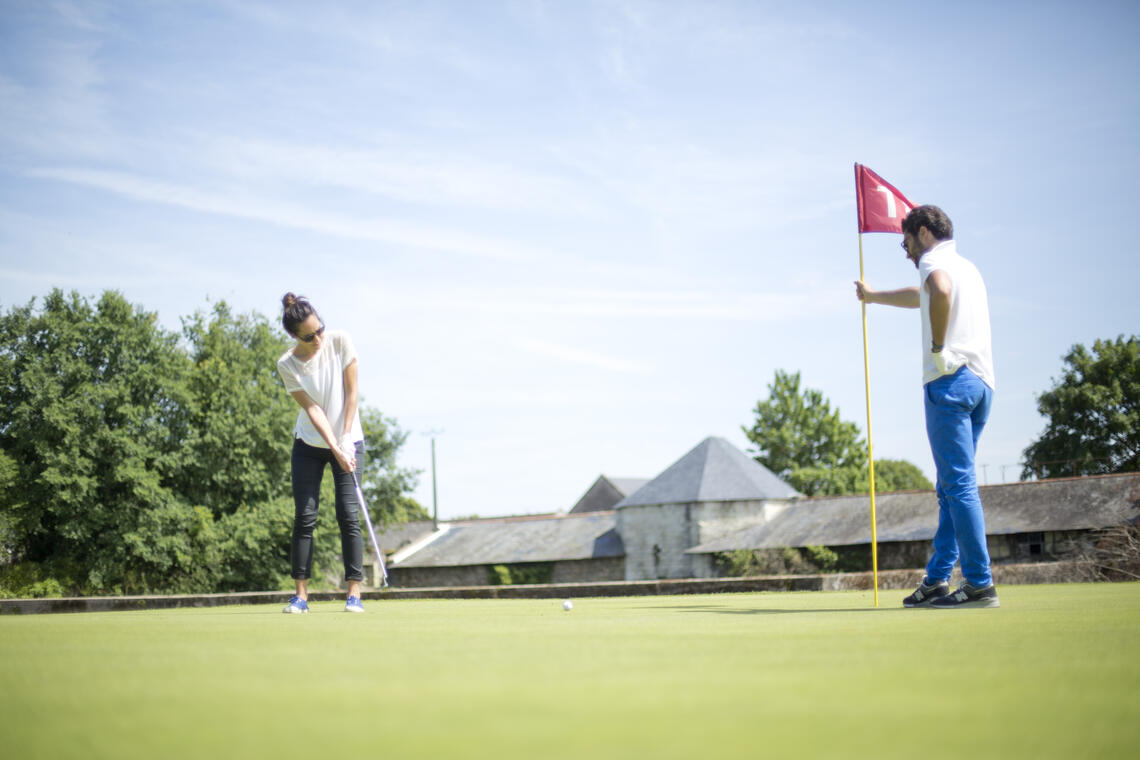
[[897, 475], [134, 462], [806, 560], [520, 573], [92, 403], [829, 481], [795, 429], [1093, 414], [803, 441], [237, 449], [254, 547], [783, 561], [27, 580]]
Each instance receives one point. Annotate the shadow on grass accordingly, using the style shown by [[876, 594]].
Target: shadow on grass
[[722, 610]]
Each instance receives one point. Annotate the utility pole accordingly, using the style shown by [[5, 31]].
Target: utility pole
[[434, 498]]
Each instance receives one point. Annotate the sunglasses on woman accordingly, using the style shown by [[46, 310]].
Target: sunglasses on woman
[[313, 335]]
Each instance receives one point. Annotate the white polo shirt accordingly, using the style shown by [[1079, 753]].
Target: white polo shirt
[[968, 331], [321, 376]]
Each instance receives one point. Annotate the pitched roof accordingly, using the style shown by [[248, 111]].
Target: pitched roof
[[714, 470], [605, 492], [399, 536], [545, 538], [1030, 507]]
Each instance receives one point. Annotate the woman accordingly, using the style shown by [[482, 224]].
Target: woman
[[320, 374]]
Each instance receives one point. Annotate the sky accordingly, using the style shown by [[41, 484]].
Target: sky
[[576, 238]]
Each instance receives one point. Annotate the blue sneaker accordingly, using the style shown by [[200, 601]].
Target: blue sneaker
[[297, 606], [353, 605]]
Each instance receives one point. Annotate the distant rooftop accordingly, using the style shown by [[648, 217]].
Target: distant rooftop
[[541, 538], [1029, 507], [605, 492], [714, 470]]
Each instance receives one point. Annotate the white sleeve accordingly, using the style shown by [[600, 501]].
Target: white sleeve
[[288, 376], [346, 350]]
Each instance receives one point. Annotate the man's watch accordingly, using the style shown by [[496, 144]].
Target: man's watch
[[936, 348]]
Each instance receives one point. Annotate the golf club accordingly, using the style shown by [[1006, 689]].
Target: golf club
[[371, 532]]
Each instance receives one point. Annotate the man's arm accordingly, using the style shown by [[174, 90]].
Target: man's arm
[[904, 298], [939, 285]]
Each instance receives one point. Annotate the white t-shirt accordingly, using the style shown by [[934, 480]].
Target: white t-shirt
[[968, 330], [321, 376]]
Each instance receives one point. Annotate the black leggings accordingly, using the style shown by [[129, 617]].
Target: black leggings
[[308, 469]]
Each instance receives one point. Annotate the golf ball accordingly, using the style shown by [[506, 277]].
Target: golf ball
[[568, 605]]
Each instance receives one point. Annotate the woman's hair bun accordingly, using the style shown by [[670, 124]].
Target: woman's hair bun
[[296, 310]]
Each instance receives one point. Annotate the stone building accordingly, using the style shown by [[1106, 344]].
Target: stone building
[[713, 490]]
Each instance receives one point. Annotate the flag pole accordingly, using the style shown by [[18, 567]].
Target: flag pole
[[870, 449]]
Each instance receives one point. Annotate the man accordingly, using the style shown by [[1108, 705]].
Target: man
[[958, 379]]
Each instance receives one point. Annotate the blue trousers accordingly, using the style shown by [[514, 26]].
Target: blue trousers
[[957, 407]]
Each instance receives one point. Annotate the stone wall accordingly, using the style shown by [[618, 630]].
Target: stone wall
[[589, 570], [565, 571], [428, 577], [656, 536]]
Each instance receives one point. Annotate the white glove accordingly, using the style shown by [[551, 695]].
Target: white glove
[[347, 447], [946, 364]]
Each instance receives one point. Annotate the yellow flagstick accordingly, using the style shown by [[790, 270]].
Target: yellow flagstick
[[870, 449]]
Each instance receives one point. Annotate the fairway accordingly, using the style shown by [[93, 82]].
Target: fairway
[[1055, 672]]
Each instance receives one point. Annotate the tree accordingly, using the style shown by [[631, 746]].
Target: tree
[[803, 441], [237, 446], [899, 475], [795, 428], [92, 413], [1093, 414]]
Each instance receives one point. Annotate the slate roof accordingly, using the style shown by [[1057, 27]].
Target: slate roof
[[714, 470], [605, 492], [1030, 507], [541, 538], [397, 537]]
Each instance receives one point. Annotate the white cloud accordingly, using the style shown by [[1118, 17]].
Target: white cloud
[[402, 173], [237, 203], [581, 357]]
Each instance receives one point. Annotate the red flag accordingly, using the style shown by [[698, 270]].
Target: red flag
[[881, 206]]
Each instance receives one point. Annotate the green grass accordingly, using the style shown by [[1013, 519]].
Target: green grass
[[1054, 673]]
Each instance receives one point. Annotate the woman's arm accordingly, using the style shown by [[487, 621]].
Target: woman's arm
[[350, 397], [321, 423]]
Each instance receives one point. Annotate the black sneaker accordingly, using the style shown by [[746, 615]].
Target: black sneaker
[[924, 595], [968, 596]]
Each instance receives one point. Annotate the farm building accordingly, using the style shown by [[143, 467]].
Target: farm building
[[717, 499]]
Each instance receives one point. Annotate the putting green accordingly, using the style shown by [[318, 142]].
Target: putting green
[[1055, 672]]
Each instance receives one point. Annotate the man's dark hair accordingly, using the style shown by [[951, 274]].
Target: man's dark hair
[[930, 217]]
